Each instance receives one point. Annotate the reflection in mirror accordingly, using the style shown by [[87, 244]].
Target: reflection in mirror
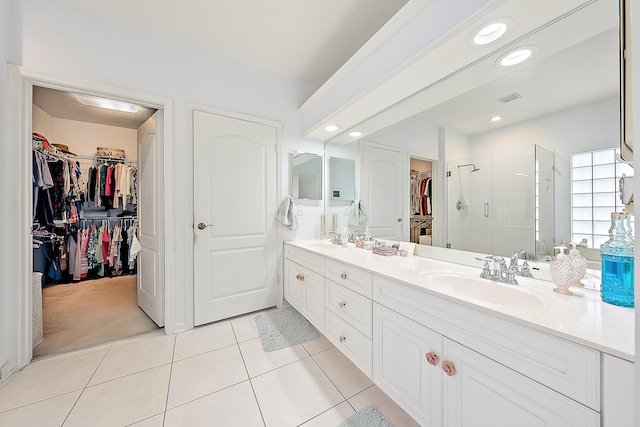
[[565, 100], [306, 176], [342, 181]]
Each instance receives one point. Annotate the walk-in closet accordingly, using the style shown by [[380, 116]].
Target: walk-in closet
[[421, 199], [85, 232]]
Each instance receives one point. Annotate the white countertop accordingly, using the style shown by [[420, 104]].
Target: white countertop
[[582, 318]]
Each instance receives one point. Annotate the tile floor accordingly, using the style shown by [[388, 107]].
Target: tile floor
[[215, 375]]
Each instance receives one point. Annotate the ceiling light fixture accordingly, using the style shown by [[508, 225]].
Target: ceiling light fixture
[[109, 104], [355, 133], [516, 56], [491, 31], [331, 128], [496, 118]]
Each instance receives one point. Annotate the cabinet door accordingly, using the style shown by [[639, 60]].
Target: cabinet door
[[294, 291], [313, 285], [304, 290], [400, 366], [481, 392]]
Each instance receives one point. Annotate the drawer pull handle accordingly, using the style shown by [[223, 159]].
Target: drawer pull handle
[[343, 275], [448, 368], [342, 338], [300, 277], [432, 358], [342, 304]]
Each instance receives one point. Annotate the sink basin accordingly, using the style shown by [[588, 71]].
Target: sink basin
[[482, 290]]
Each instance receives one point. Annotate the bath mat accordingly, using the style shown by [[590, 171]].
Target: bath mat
[[366, 417], [282, 328]]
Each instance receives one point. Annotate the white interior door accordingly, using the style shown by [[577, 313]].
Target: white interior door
[[383, 175], [235, 243], [150, 277]]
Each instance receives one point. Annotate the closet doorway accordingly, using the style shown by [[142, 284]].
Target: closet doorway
[[96, 239], [421, 200]]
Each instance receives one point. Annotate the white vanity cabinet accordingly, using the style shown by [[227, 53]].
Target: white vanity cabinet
[[304, 284], [481, 392], [406, 365]]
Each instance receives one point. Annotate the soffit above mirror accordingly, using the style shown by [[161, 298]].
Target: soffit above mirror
[[450, 55]]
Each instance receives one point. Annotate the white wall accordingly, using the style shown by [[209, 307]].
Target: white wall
[[5, 146], [55, 37]]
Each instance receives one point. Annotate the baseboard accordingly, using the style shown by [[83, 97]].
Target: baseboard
[[5, 372]]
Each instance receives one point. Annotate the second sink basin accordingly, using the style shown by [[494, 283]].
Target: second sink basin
[[482, 290]]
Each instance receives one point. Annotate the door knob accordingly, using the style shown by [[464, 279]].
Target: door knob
[[448, 368], [399, 219], [432, 358], [202, 226]]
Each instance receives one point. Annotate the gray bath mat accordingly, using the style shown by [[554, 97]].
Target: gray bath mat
[[282, 328], [366, 417]]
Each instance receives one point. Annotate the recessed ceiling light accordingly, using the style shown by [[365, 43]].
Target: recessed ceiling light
[[496, 118], [109, 104], [516, 56], [491, 31], [355, 133], [331, 128]]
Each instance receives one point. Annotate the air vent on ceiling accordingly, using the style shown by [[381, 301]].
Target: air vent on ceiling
[[510, 98]]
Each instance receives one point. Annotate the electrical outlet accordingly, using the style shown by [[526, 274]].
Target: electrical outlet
[[300, 210]]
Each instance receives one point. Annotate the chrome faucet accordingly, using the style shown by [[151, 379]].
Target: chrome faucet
[[335, 238], [523, 270], [500, 272]]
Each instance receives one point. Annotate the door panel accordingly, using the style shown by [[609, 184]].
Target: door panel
[[150, 278], [382, 189], [235, 198]]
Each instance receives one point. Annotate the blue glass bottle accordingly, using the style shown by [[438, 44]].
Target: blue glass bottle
[[617, 263]]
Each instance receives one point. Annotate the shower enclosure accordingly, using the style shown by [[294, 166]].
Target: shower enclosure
[[502, 201]]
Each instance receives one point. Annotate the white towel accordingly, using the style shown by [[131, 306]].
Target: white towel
[[287, 213], [357, 215]]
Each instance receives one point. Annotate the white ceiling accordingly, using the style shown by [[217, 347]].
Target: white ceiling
[[306, 40]]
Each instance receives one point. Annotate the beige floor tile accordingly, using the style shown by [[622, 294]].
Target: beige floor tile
[[206, 373], [122, 401], [204, 339], [373, 396], [332, 417], [155, 421], [39, 361], [131, 356], [344, 374], [317, 345], [51, 412], [49, 380], [232, 407], [245, 326], [259, 361], [294, 394]]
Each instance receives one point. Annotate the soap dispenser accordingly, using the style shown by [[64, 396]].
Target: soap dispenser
[[367, 234], [579, 264], [562, 272]]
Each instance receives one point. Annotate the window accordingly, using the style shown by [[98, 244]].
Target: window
[[595, 194]]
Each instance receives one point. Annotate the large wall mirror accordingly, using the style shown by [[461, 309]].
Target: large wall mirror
[[547, 171]]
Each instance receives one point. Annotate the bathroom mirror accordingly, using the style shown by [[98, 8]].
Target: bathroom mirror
[[342, 181], [565, 100], [306, 176]]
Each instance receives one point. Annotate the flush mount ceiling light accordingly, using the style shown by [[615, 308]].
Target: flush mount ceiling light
[[355, 133], [109, 104], [490, 31], [495, 118], [331, 128], [516, 56]]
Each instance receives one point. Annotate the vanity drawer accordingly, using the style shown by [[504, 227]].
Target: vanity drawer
[[354, 308], [311, 261], [357, 280], [563, 366], [352, 343]]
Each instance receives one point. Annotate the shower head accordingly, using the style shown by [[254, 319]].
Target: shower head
[[475, 169]]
